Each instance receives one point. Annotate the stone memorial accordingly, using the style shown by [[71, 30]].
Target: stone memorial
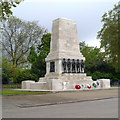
[[65, 63]]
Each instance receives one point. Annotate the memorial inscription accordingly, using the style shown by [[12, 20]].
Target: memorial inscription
[[52, 66]]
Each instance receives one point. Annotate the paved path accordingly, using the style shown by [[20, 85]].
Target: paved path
[[29, 105]]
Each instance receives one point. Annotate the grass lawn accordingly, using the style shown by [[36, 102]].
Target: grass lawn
[[10, 92]]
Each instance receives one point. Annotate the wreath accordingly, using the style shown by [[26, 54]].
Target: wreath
[[77, 86], [89, 86], [94, 85], [98, 83]]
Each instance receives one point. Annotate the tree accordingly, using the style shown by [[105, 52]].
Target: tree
[[93, 56], [5, 8], [5, 74], [38, 59], [44, 46], [32, 55], [109, 36], [18, 37], [95, 64]]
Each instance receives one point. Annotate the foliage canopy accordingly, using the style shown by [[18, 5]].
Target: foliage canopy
[[5, 8], [109, 36]]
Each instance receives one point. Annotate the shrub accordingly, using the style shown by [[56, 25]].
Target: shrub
[[26, 75], [5, 76], [101, 75]]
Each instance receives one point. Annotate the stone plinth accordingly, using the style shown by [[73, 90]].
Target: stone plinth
[[58, 81], [26, 84], [105, 83], [69, 77]]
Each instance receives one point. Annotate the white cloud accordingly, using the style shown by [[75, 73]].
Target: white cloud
[[93, 43]]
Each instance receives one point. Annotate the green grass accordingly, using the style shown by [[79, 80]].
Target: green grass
[[10, 92]]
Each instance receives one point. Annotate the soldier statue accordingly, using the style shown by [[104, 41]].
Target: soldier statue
[[69, 66], [73, 66], [82, 66], [78, 66], [64, 63]]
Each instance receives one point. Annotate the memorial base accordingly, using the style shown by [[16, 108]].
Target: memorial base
[[64, 81]]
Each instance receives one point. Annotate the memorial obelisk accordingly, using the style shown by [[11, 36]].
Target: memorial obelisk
[[64, 44]]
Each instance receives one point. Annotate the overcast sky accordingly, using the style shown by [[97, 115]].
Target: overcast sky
[[86, 13]]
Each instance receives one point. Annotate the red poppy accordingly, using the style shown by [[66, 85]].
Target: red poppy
[[88, 87], [77, 86], [97, 83]]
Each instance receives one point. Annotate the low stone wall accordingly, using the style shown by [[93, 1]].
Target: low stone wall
[[105, 83], [26, 84], [39, 85], [34, 85]]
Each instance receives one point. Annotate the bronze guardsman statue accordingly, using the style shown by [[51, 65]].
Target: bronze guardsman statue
[[69, 66], [73, 66], [82, 66], [78, 66], [64, 63]]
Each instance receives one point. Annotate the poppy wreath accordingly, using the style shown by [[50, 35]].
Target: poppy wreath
[[98, 83], [94, 85], [89, 86], [77, 86]]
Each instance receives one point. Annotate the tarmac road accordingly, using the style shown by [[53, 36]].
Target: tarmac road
[[99, 104], [107, 108]]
